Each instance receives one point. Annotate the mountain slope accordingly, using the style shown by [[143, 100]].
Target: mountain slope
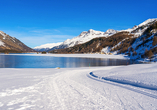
[[139, 42], [11, 44], [85, 36], [46, 47], [96, 44]]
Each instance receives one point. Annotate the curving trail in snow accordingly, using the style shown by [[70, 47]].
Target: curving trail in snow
[[71, 89]]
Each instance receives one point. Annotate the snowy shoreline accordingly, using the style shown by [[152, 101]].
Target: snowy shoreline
[[74, 88]]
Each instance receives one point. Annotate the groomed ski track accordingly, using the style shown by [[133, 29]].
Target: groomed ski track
[[74, 89]]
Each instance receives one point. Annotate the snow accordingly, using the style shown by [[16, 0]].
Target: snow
[[142, 48], [86, 36], [106, 50], [48, 45], [148, 21], [80, 88], [83, 37], [144, 76], [142, 42], [110, 32], [3, 34], [1, 43], [139, 31], [119, 43]]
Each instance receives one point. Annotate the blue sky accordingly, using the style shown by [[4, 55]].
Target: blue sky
[[37, 22]]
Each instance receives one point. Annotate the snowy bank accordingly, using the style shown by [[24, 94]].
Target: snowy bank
[[141, 75], [75, 88]]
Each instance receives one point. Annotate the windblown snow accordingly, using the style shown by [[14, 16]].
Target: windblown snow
[[112, 88]]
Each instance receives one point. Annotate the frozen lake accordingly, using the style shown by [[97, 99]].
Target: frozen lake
[[29, 61]]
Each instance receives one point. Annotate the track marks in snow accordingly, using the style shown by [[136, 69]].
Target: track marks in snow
[[138, 104], [78, 96], [58, 94], [40, 96], [134, 97], [121, 102], [75, 90], [123, 85]]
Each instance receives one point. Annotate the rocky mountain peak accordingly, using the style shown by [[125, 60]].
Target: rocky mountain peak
[[111, 31], [91, 31], [147, 22]]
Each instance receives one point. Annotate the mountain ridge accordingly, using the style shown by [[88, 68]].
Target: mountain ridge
[[138, 42], [75, 41], [83, 37], [11, 44]]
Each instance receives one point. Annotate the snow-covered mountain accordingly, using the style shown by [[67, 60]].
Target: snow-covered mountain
[[46, 47], [85, 36], [138, 42], [139, 29], [148, 22], [11, 44], [144, 44]]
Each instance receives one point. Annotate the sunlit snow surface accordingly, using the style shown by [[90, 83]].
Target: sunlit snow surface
[[1, 43], [76, 88], [49, 45]]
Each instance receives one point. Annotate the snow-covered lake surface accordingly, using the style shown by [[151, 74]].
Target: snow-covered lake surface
[[60, 60], [132, 87]]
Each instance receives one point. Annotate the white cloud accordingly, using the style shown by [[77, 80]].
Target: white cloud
[[38, 40], [33, 38]]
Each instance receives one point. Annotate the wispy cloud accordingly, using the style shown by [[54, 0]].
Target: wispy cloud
[[36, 37], [45, 31]]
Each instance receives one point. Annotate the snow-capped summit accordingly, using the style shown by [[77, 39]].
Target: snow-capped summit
[[86, 36], [111, 32], [144, 24], [139, 29], [91, 31], [148, 22], [46, 46], [82, 33]]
